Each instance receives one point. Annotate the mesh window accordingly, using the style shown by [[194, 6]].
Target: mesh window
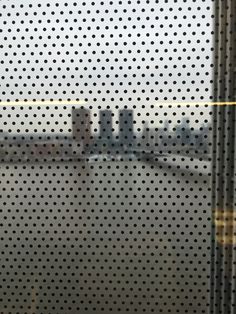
[[111, 167]]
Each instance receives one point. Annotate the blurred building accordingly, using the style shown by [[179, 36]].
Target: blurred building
[[153, 139], [183, 131], [166, 125], [126, 129], [105, 120], [81, 129], [145, 136]]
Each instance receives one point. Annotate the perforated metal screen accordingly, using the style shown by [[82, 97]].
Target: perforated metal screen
[[109, 151]]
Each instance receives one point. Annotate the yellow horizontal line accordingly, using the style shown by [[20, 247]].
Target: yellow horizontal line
[[81, 102], [42, 102], [201, 103]]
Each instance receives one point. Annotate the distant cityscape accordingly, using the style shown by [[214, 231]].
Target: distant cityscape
[[81, 143]]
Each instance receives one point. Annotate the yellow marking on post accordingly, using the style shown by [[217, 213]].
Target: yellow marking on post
[[225, 221], [226, 240], [227, 213]]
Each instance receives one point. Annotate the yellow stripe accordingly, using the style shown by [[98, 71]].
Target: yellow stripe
[[42, 102], [201, 103], [81, 102]]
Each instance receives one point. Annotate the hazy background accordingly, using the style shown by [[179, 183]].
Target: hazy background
[[111, 54]]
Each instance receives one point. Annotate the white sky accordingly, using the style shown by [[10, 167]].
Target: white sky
[[135, 54]]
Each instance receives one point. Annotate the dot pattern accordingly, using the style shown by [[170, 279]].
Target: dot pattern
[[106, 175], [112, 51], [103, 222]]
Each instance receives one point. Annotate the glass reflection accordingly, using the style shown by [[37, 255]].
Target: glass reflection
[[112, 207], [125, 141]]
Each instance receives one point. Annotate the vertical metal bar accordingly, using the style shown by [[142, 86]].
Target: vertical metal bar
[[228, 211], [213, 160], [233, 305], [223, 162], [218, 121], [229, 161], [219, 207]]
